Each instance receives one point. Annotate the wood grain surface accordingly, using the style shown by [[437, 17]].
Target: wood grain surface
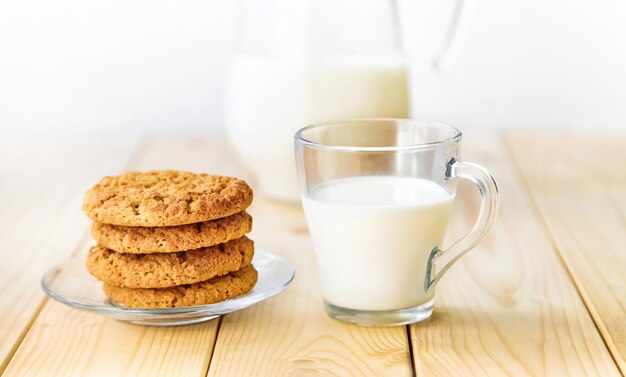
[[42, 181], [386, 346], [289, 335], [510, 307], [105, 347], [578, 182]]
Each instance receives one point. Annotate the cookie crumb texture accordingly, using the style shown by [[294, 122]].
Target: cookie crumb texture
[[169, 269], [207, 292], [147, 240], [165, 198]]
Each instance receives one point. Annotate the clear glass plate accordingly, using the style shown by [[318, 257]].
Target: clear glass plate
[[70, 283]]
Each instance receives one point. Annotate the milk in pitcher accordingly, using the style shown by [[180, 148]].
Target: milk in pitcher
[[269, 99]]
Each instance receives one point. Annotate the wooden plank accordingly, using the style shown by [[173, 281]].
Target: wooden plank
[[508, 307], [63, 341], [290, 334], [42, 181], [578, 182]]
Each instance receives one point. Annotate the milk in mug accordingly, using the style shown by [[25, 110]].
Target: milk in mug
[[269, 99], [373, 236]]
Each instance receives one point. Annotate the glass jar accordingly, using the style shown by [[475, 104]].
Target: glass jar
[[301, 62]]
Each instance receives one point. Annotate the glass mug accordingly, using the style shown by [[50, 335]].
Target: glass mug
[[378, 195]]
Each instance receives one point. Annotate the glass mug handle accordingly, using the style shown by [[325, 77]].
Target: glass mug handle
[[441, 260]]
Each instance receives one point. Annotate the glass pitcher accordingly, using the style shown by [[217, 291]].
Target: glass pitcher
[[300, 62]]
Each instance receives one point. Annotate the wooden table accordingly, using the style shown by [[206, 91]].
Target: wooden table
[[544, 294]]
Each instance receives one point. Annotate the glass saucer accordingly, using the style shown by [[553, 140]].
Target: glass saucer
[[70, 283]]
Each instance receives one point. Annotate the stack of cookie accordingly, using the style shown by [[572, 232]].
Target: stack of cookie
[[171, 239]]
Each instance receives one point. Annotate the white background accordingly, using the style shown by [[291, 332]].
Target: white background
[[70, 65], [113, 65]]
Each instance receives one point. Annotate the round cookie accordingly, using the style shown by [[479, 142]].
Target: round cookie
[[207, 292], [168, 269], [142, 240], [165, 198]]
